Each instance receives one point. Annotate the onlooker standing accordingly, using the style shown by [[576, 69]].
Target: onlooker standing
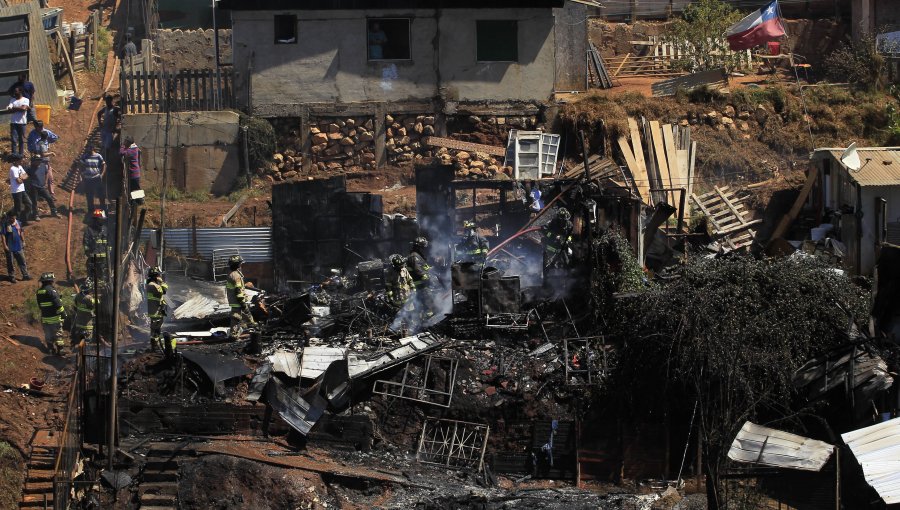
[[93, 168], [108, 120], [27, 91], [131, 161], [38, 181], [36, 136], [17, 178], [14, 245], [19, 105]]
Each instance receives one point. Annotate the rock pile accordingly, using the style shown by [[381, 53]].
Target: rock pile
[[403, 135], [343, 144]]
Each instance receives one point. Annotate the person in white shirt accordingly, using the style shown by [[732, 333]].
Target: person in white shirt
[[17, 178], [19, 104]]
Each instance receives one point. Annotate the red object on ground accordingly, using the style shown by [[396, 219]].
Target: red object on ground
[[774, 47]]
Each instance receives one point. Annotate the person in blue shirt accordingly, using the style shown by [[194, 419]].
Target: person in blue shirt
[[377, 40], [36, 134], [14, 245]]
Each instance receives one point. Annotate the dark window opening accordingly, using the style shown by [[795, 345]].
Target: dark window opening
[[285, 29], [497, 41], [388, 39]]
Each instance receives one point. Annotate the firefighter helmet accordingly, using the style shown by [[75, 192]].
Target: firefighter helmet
[[468, 224], [99, 214], [88, 285], [235, 260], [564, 213], [47, 277], [154, 271], [420, 242], [397, 261]]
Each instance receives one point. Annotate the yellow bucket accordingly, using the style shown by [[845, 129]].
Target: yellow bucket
[[42, 113]]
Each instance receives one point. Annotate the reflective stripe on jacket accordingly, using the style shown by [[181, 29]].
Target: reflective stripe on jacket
[[51, 306], [234, 288], [156, 301]]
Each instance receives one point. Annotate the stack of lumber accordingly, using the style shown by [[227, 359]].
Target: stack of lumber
[[659, 160]]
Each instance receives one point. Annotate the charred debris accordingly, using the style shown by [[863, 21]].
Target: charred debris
[[570, 328]]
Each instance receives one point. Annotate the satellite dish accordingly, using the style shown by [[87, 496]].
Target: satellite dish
[[850, 158]]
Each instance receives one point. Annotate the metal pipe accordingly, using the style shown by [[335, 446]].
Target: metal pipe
[[114, 349]]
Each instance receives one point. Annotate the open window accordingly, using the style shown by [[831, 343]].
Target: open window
[[285, 29], [387, 38], [497, 41]]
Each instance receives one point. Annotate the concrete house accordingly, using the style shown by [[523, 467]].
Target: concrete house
[[429, 55], [863, 205]]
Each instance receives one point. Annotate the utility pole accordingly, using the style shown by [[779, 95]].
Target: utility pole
[[165, 184], [112, 433], [218, 72]]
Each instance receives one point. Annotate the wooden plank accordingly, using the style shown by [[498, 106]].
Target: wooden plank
[[661, 162], [641, 188], [675, 180], [641, 178], [730, 205], [788, 219], [138, 91], [437, 141]]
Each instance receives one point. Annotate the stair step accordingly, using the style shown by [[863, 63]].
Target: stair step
[[157, 507], [159, 487], [159, 499], [37, 487], [160, 477], [36, 500], [40, 475]]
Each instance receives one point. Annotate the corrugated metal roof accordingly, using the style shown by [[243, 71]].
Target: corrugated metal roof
[[877, 449], [880, 165], [757, 444], [253, 243]]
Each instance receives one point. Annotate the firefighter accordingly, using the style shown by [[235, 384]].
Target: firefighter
[[96, 246], [420, 272], [156, 306], [237, 298], [558, 240], [83, 329], [473, 247], [52, 313], [400, 283]]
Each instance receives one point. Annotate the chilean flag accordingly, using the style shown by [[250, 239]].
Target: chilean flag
[[759, 27]]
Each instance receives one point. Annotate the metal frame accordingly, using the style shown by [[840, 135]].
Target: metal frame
[[220, 261], [415, 386], [454, 444], [512, 321], [591, 370]]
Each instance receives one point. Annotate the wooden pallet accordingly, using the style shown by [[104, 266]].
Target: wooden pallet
[[728, 216]]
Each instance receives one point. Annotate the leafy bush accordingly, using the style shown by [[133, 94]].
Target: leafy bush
[[730, 333], [260, 140], [856, 62]]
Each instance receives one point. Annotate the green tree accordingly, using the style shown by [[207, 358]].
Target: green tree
[[700, 35]]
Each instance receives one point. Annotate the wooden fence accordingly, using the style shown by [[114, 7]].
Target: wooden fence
[[185, 90], [658, 58]]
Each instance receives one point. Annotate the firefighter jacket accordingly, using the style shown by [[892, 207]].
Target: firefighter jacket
[[84, 311], [234, 287], [557, 235], [473, 248], [418, 269], [156, 298], [96, 242], [52, 311], [399, 286]]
